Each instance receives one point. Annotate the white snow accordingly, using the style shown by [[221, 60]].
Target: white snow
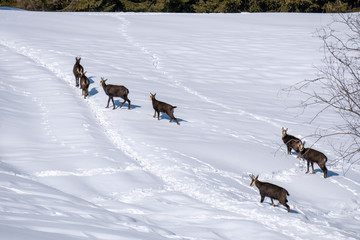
[[72, 169]]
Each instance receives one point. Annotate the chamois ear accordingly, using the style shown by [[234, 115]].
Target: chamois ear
[[257, 177]]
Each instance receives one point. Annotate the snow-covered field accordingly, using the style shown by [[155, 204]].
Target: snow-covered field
[[72, 169]]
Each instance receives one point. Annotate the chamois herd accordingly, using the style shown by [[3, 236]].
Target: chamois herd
[[118, 91], [266, 189]]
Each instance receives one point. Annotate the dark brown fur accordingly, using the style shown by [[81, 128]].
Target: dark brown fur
[[272, 191], [291, 142], [311, 156], [77, 70], [84, 84], [115, 91], [163, 107]]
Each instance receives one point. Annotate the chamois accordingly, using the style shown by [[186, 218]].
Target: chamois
[[311, 156], [291, 142], [272, 191], [115, 91], [77, 70], [84, 84], [163, 107]]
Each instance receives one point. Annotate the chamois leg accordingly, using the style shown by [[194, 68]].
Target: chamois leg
[[176, 121], [128, 100], [171, 115], [262, 198], [312, 166], [112, 99], [323, 168], [287, 206], [158, 115], [77, 81], [272, 202], [307, 167], [108, 102], [123, 103], [83, 92], [289, 149]]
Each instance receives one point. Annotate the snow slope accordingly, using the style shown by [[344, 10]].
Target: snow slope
[[72, 169]]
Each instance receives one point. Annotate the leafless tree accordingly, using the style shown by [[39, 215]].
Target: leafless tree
[[337, 87]]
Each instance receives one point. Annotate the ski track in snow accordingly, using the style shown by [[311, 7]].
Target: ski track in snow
[[208, 191]]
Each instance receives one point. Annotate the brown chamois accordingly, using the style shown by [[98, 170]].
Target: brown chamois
[[311, 156], [272, 191], [77, 70], [163, 107], [84, 84], [291, 142], [115, 91]]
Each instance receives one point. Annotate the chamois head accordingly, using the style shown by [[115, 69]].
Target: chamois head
[[284, 130], [102, 82], [152, 96], [301, 145], [82, 73], [77, 59], [253, 179]]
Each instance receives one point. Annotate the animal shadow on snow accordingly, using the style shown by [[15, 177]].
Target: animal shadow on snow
[[293, 153], [329, 173], [93, 91], [293, 211], [282, 208], [165, 116], [126, 105], [91, 79]]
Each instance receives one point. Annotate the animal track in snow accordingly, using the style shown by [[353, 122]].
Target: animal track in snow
[[156, 63]]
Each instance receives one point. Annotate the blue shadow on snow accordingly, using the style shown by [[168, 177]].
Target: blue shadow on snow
[[126, 105], [93, 92], [165, 116], [329, 173], [282, 207]]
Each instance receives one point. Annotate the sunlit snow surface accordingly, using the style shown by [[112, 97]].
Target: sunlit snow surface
[[72, 169]]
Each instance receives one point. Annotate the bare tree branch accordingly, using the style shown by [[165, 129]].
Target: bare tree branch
[[338, 87]]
